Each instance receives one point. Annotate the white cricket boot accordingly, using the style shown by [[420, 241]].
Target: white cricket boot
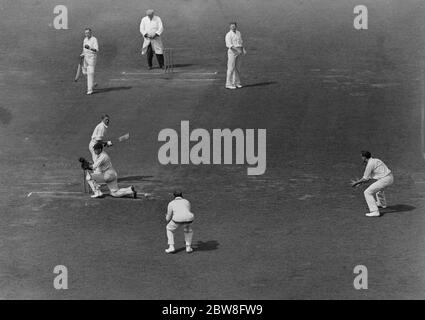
[[170, 249], [373, 214], [97, 194]]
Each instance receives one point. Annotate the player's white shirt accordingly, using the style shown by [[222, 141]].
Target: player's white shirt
[[376, 169], [234, 39], [150, 27], [179, 211], [102, 163], [99, 132], [90, 57], [92, 43]]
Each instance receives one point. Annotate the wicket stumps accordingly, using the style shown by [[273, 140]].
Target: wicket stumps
[[85, 186], [169, 60]]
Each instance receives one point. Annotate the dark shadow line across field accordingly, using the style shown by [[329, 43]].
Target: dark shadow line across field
[[103, 90], [398, 208], [182, 65], [134, 178]]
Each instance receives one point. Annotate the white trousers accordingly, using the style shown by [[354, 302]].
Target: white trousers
[[91, 145], [233, 68], [110, 179], [187, 229], [88, 70], [375, 195]]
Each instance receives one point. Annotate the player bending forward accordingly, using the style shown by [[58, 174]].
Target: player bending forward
[[99, 134], [103, 172], [178, 214], [374, 194]]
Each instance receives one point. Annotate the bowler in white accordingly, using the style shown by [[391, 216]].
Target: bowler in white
[[89, 56], [99, 135], [235, 50], [374, 194], [179, 214]]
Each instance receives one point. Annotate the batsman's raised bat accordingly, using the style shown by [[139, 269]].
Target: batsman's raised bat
[[124, 137]]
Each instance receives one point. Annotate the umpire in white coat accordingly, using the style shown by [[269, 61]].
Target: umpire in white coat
[[151, 29]]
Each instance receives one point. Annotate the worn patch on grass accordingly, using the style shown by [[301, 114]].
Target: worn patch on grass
[[5, 116]]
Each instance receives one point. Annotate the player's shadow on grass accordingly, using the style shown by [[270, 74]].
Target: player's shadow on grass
[[202, 246], [259, 84], [398, 208], [103, 90], [182, 65], [206, 246]]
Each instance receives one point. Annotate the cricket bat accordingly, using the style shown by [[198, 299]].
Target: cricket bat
[[124, 137], [78, 73]]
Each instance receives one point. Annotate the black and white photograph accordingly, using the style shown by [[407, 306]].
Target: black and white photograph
[[205, 150]]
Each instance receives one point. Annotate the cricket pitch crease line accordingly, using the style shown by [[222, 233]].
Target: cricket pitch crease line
[[146, 195], [53, 192], [164, 79], [50, 183], [157, 73]]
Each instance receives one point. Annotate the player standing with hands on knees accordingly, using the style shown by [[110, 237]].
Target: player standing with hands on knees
[[151, 29], [89, 56], [178, 214], [235, 51], [99, 134], [374, 194]]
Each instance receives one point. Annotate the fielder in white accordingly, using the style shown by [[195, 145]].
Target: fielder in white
[[89, 56], [104, 173], [235, 50], [98, 135], [178, 214], [374, 194], [151, 29]]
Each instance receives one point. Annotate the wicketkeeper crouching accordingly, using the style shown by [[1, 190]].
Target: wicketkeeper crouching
[[103, 172], [178, 214]]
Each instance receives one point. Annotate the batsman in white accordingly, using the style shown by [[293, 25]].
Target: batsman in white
[[98, 135], [178, 214], [103, 172], [89, 56], [374, 194], [235, 50]]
